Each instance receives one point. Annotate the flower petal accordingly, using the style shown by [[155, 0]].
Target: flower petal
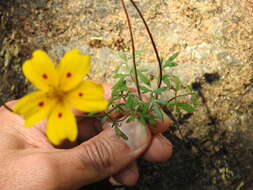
[[61, 125], [88, 97], [72, 68], [40, 70], [34, 107]]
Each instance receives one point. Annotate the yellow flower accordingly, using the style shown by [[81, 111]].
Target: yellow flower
[[61, 88]]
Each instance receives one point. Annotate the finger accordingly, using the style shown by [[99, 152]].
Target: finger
[[12, 127], [129, 175], [107, 90], [101, 156], [88, 128], [161, 126], [159, 150]]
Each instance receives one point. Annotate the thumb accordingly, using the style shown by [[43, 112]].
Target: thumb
[[101, 156]]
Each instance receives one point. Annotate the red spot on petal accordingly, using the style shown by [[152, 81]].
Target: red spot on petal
[[80, 94], [59, 115], [44, 76], [69, 74], [41, 104]]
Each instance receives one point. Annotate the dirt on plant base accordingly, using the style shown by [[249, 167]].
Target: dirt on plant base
[[216, 42]]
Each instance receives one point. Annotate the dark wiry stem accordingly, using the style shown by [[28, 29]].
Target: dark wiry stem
[[5, 106], [133, 50], [153, 43]]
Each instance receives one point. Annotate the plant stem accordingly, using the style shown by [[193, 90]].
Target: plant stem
[[153, 43], [5, 106], [133, 50], [179, 96]]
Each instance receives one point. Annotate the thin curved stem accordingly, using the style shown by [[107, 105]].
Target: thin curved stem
[[153, 43], [133, 50], [5, 106]]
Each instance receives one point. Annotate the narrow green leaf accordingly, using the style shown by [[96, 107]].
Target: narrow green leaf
[[119, 86], [142, 120], [145, 89], [120, 133], [138, 53], [166, 80], [177, 108], [120, 75], [169, 64], [148, 116], [144, 79], [159, 91], [186, 107], [130, 118], [143, 70], [173, 57], [143, 107], [131, 102], [157, 111], [161, 102]]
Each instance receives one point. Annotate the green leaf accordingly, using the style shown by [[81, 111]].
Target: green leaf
[[130, 118], [186, 107], [173, 57], [143, 107], [143, 70], [145, 89], [166, 80], [159, 91], [148, 116], [138, 53], [119, 86], [120, 75], [131, 102], [142, 120], [116, 97], [157, 112], [177, 81], [169, 62], [144, 79], [120, 133], [162, 102]]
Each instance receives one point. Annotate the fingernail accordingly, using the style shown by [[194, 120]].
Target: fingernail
[[138, 135]]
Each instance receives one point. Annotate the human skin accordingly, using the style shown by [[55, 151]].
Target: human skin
[[29, 161]]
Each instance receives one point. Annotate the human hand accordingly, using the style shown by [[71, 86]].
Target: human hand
[[29, 161]]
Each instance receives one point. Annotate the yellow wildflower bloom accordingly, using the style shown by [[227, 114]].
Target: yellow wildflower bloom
[[61, 88]]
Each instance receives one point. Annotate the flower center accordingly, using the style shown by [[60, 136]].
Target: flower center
[[56, 94]]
